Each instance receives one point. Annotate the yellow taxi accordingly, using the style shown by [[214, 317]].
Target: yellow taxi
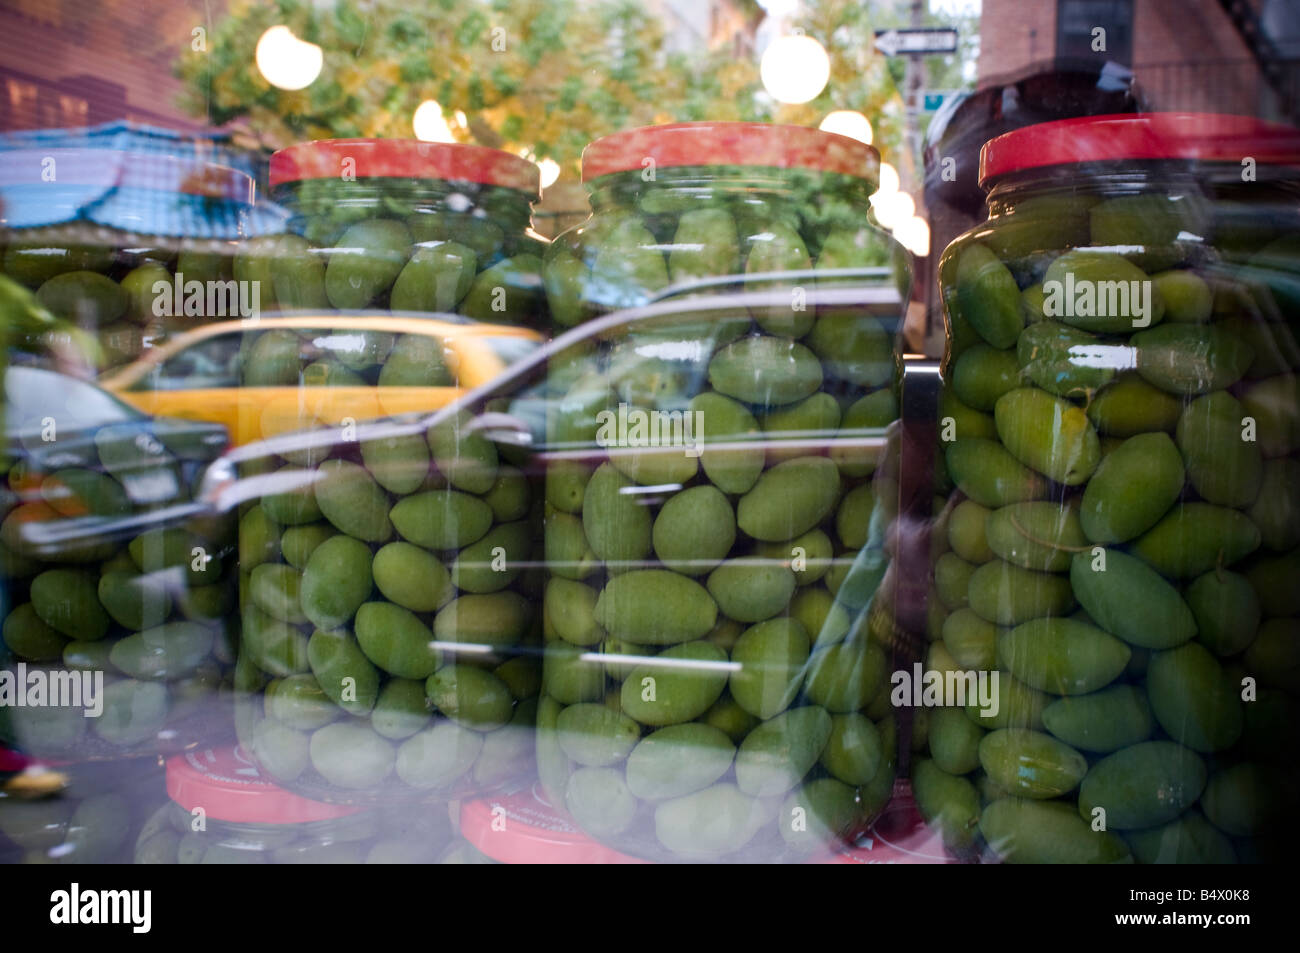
[[270, 375]]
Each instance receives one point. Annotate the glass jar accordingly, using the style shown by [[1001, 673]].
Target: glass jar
[[114, 244], [712, 685], [222, 811], [1111, 575], [115, 596], [389, 629], [77, 814], [108, 585], [405, 225], [702, 207]]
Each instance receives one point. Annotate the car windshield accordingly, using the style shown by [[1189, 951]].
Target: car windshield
[[33, 395]]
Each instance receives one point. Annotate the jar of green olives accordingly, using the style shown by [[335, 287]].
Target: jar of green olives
[[85, 813], [702, 207], [715, 678], [220, 810], [388, 600], [404, 225], [1115, 565], [116, 243]]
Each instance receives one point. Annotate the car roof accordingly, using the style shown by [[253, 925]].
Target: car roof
[[441, 325], [878, 300]]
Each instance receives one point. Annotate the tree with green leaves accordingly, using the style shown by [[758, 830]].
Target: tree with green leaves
[[540, 77], [537, 76]]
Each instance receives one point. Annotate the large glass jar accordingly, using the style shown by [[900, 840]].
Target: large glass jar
[[712, 688], [77, 814], [107, 586], [704, 207], [405, 225], [1115, 569], [389, 623], [222, 811], [115, 244]]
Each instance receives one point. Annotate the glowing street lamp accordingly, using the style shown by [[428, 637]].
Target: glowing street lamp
[[889, 181], [893, 208], [914, 235], [794, 69], [550, 171], [848, 122], [429, 123], [287, 62]]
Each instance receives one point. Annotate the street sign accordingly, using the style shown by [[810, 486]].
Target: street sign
[[905, 41], [933, 99]]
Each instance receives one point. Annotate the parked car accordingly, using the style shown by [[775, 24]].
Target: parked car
[[82, 465], [265, 376]]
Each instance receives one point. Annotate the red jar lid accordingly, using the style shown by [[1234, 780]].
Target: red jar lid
[[226, 784], [1200, 137], [521, 827], [730, 143], [404, 158]]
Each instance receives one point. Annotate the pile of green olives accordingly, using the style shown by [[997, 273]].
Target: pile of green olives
[[399, 237], [387, 606], [714, 685], [1120, 428]]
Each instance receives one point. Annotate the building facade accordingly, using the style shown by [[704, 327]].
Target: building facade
[[77, 64], [1233, 56]]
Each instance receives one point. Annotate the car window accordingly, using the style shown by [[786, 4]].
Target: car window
[[347, 357], [33, 394], [659, 363], [511, 349], [213, 362]]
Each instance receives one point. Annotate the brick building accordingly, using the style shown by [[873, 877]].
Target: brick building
[[1236, 56], [75, 64]]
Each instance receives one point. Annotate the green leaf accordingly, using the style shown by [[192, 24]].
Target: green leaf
[[350, 24], [471, 29], [506, 84], [512, 128], [415, 68], [570, 90]]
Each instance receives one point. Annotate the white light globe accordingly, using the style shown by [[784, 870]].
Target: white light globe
[[893, 208], [914, 235], [429, 123], [550, 171], [848, 122], [794, 69], [888, 179], [287, 62]]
